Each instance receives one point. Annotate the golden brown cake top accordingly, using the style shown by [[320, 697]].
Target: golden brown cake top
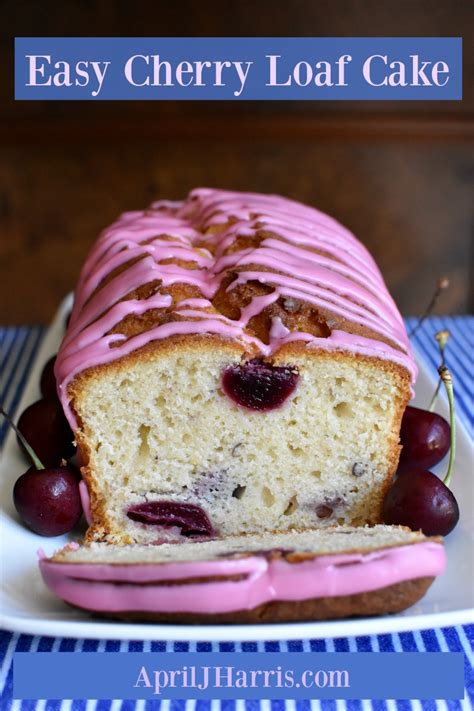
[[261, 270]]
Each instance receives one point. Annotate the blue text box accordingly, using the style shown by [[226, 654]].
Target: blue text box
[[247, 675], [238, 68]]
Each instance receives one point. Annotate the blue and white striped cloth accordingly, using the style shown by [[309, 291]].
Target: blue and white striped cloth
[[18, 347]]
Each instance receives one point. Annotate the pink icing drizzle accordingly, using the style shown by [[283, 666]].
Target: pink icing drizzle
[[85, 501], [94, 586], [347, 281]]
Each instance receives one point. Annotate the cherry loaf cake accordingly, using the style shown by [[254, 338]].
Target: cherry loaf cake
[[269, 577], [233, 363]]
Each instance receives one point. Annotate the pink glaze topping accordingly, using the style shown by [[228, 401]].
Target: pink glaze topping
[[85, 501], [114, 588], [346, 281]]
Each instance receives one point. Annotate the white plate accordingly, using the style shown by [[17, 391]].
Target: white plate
[[27, 606]]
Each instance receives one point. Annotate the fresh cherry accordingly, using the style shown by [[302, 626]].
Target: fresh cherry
[[425, 437], [420, 500], [48, 379], [192, 519], [257, 385], [48, 500], [47, 431]]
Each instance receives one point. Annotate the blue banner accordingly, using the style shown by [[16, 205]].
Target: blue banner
[[238, 68], [249, 675]]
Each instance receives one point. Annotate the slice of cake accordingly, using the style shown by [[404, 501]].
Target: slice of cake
[[234, 363], [270, 577]]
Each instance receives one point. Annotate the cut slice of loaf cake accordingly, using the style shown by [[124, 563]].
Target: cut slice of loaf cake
[[234, 363], [279, 576]]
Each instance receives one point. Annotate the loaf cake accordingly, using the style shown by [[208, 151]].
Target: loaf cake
[[233, 364], [269, 577]]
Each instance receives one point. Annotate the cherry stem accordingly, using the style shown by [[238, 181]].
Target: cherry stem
[[36, 460], [448, 384], [442, 339], [442, 284]]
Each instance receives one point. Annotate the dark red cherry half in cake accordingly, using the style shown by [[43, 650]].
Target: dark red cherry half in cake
[[257, 385], [420, 500], [425, 437], [190, 518]]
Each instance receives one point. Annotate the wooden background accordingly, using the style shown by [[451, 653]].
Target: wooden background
[[400, 175]]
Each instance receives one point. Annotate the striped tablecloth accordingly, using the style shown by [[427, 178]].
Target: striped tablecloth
[[17, 351]]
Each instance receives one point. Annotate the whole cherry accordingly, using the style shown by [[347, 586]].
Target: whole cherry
[[418, 498], [46, 499], [48, 379], [47, 431], [425, 437]]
